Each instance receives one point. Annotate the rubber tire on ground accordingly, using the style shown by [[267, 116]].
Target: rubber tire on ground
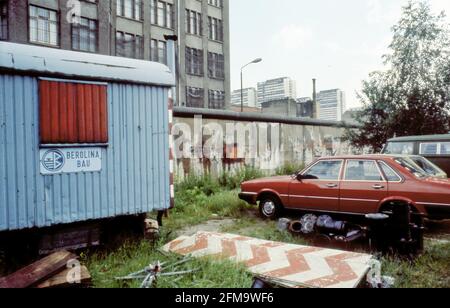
[[277, 208]]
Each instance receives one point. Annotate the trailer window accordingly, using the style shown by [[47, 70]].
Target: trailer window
[[72, 113]]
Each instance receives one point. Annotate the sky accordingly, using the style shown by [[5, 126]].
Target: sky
[[339, 42]]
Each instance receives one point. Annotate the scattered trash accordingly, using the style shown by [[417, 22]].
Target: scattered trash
[[283, 224], [150, 274], [308, 222], [60, 269], [387, 282], [151, 229], [374, 278], [400, 230], [260, 283]]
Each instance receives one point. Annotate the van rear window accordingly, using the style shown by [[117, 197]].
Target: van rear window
[[404, 148], [435, 148]]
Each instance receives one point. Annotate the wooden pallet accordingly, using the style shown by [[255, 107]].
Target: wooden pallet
[[51, 271]]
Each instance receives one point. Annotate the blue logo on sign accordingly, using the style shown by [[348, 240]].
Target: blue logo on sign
[[53, 160]]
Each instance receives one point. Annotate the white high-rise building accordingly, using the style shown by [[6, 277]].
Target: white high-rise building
[[250, 97], [331, 104], [276, 89]]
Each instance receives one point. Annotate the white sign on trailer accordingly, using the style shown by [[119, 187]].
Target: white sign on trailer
[[70, 160]]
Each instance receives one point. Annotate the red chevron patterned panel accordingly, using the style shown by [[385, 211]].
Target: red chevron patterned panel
[[295, 265]]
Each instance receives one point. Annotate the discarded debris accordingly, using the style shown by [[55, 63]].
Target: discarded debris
[[150, 274], [151, 229], [399, 230], [67, 278], [283, 224], [60, 269]]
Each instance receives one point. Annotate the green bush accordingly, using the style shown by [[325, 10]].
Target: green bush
[[289, 169], [233, 181], [205, 183]]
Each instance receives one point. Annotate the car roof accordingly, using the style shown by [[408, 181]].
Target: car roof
[[365, 156], [445, 137]]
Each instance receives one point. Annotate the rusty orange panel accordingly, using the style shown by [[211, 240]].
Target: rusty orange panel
[[104, 114], [72, 113]]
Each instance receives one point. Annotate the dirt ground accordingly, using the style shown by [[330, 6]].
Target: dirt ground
[[438, 230], [209, 226]]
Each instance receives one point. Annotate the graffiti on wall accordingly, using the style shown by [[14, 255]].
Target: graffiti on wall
[[213, 146]]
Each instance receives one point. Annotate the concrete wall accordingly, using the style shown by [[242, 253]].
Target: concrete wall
[[290, 140]]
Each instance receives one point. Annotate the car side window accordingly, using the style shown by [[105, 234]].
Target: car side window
[[325, 170], [362, 170], [390, 174]]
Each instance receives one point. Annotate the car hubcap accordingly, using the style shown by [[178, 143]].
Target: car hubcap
[[269, 208]]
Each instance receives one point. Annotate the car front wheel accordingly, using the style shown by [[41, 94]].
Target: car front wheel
[[270, 208]]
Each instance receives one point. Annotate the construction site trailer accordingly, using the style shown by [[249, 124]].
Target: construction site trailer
[[83, 137]]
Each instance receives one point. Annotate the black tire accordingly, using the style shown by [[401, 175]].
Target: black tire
[[270, 207]]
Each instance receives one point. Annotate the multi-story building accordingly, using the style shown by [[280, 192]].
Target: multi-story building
[[135, 29], [286, 107], [250, 97], [305, 107], [276, 89], [331, 104]]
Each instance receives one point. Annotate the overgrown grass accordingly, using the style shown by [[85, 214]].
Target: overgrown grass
[[194, 207], [430, 270], [289, 169], [105, 266]]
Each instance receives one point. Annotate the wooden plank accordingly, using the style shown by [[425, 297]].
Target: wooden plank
[[60, 280], [38, 271]]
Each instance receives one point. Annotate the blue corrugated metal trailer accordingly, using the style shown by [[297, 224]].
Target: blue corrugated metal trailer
[[83, 137]]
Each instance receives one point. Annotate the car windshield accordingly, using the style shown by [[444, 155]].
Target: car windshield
[[427, 166], [411, 167]]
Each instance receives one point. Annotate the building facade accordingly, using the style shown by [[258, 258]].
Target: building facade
[[305, 107], [250, 97], [276, 89], [135, 29], [331, 104], [280, 107]]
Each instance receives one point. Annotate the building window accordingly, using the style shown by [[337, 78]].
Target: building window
[[161, 13], [72, 113], [129, 9], [195, 97], [158, 51], [84, 35], [215, 29], [194, 61], [216, 66], [216, 99], [3, 20], [218, 3], [129, 45], [194, 22], [43, 26]]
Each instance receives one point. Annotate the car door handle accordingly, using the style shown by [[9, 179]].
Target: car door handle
[[378, 186], [332, 185]]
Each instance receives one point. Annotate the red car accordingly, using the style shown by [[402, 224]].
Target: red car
[[351, 185]]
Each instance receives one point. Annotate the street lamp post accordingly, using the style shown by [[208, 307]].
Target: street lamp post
[[242, 81]]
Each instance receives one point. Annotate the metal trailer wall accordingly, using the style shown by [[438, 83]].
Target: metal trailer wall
[[135, 169]]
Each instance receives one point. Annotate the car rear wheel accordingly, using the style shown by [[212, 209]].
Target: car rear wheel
[[270, 207]]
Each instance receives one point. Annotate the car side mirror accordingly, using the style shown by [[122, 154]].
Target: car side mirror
[[301, 177]]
